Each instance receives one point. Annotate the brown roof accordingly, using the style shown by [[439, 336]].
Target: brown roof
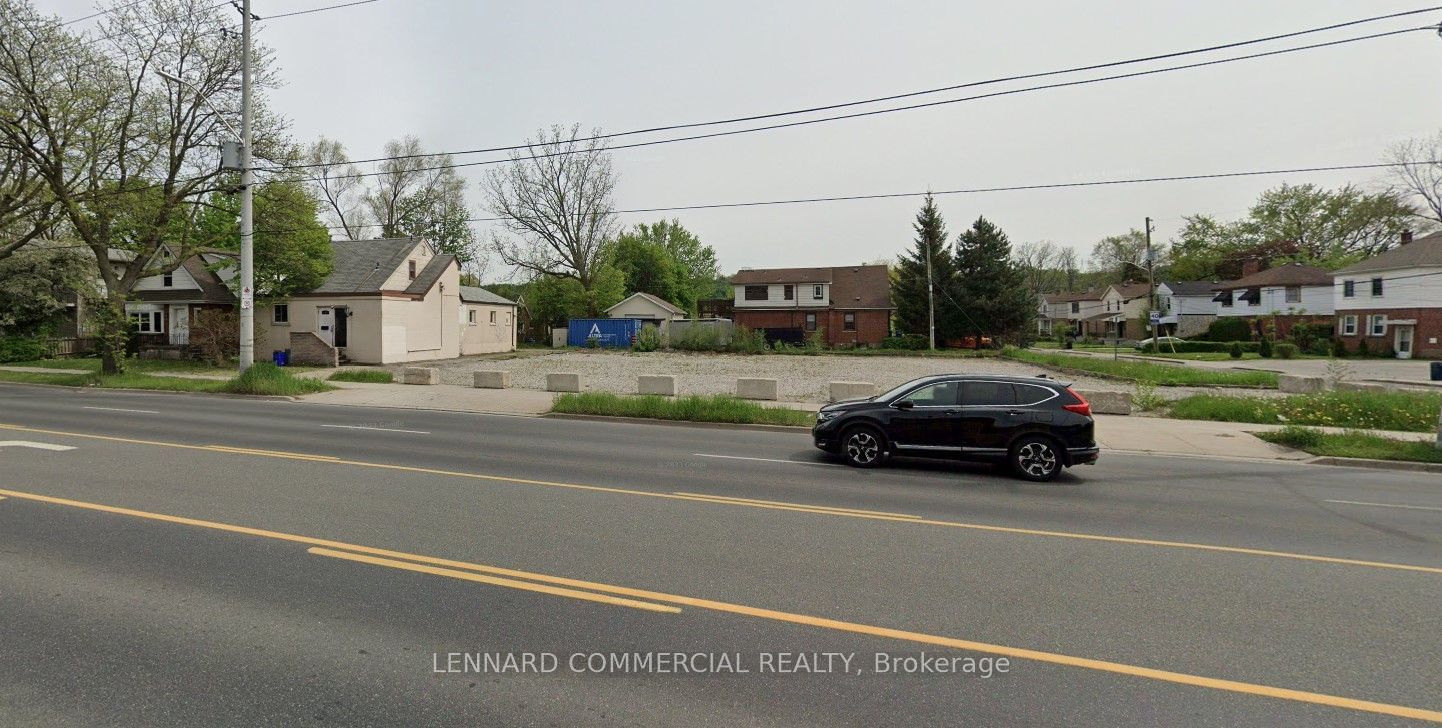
[[1292, 274], [1074, 296], [212, 289], [1128, 291], [1425, 251], [783, 275]]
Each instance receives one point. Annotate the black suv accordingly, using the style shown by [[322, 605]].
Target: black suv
[[1037, 426]]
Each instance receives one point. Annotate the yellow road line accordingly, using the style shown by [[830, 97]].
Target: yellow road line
[[751, 501], [272, 453], [496, 581], [801, 507], [393, 559]]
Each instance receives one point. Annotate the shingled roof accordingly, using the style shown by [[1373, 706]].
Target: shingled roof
[[857, 286], [429, 275], [475, 294], [362, 266], [1292, 274], [1424, 252]]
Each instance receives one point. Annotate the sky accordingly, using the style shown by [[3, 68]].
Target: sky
[[463, 75]]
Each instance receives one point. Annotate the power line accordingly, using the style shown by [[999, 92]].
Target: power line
[[806, 122], [318, 10], [106, 11], [910, 94]]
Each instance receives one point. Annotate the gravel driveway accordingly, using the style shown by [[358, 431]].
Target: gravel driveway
[[799, 378]]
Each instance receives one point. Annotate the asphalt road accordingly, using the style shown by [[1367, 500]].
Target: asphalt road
[[200, 560]]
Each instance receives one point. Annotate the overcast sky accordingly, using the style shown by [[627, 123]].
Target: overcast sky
[[476, 74]]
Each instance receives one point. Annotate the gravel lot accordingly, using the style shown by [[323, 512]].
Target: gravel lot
[[799, 378]]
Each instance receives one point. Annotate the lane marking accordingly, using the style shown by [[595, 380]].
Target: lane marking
[[495, 581], [1385, 505], [755, 501], [361, 553], [766, 460], [377, 429], [118, 409], [35, 445], [1126, 540]]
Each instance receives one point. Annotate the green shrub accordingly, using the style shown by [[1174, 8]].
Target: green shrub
[[1296, 436], [593, 342], [1264, 348], [1146, 398], [698, 337], [816, 340], [648, 340], [1320, 347], [1305, 334], [1286, 350], [1229, 328], [747, 341], [1387, 351], [267, 378], [912, 342], [1362, 347], [369, 376], [1197, 347], [22, 348], [1339, 348], [1235, 350]]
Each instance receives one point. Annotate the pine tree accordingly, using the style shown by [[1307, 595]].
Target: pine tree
[[990, 291], [908, 281]]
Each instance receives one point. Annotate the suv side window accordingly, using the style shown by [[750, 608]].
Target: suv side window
[[1031, 394], [941, 394], [984, 394]]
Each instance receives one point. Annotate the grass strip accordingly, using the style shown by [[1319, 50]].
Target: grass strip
[[1353, 445], [690, 408], [368, 376], [1162, 375], [1400, 411]]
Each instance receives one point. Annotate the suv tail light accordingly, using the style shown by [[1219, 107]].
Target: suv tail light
[[1082, 407]]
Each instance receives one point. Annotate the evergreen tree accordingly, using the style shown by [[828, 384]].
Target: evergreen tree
[[908, 279], [990, 290]]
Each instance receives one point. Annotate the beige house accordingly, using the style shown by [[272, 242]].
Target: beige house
[[387, 301], [648, 308], [1123, 305], [488, 322]]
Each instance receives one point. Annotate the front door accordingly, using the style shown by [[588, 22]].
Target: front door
[[1403, 342], [342, 326], [929, 424], [180, 325], [325, 324]]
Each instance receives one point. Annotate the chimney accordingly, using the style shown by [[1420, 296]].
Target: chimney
[[1406, 237], [1250, 266]]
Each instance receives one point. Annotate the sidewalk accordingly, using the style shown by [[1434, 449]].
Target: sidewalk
[[450, 398]]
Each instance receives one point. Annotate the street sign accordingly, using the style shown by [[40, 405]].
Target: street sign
[[247, 298], [1156, 317]]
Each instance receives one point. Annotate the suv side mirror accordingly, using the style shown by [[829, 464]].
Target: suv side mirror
[[905, 404]]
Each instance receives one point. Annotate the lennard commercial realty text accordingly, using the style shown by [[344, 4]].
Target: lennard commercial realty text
[[716, 663]]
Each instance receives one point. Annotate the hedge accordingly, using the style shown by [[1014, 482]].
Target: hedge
[[1196, 347]]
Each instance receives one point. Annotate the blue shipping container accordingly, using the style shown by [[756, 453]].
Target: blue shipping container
[[608, 332]]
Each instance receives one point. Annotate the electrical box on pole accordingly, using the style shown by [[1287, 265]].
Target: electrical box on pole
[[230, 157]]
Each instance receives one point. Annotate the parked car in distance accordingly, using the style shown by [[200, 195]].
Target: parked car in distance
[[1160, 341], [1037, 426]]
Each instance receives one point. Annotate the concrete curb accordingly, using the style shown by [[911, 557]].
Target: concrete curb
[[681, 423], [227, 395], [1376, 464]]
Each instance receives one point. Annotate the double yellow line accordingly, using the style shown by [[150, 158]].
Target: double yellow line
[[671, 603]]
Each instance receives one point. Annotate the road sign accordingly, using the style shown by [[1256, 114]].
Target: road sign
[[247, 298], [1156, 317]]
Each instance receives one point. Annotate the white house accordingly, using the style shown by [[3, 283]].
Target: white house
[[1186, 306], [650, 309], [1287, 290], [1394, 299], [488, 322]]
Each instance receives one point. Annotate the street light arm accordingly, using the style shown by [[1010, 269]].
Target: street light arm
[[177, 80]]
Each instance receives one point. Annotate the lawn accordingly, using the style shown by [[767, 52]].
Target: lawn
[[369, 376], [1353, 445], [1406, 412], [132, 364], [1162, 375], [263, 378], [693, 408]]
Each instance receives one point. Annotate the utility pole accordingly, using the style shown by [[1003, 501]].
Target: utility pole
[[1151, 283], [930, 299], [247, 198]]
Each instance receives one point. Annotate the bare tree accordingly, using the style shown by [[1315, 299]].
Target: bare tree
[[337, 187], [1417, 173], [1038, 263], [554, 199], [1066, 259], [126, 155]]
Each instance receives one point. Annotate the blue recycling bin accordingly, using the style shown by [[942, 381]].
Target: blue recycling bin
[[1437, 371], [280, 357]]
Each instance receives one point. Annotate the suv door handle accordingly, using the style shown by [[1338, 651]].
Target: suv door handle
[[953, 412], [1014, 412]]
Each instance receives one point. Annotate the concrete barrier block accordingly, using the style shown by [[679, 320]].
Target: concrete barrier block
[[1109, 403], [851, 390], [420, 375], [1297, 384], [492, 380], [656, 384], [563, 382], [756, 388]]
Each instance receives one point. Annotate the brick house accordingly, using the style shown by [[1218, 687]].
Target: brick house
[[851, 304], [1394, 299], [1285, 296]]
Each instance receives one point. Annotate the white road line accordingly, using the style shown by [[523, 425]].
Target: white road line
[[764, 460], [1385, 505], [117, 409], [377, 429], [35, 445]]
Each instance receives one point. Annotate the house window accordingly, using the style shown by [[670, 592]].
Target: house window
[[471, 316], [1294, 294], [148, 322], [1226, 298], [1349, 289], [167, 280], [810, 322], [756, 293], [280, 314], [493, 318], [816, 293], [1253, 296], [788, 292], [1377, 324], [848, 321], [1376, 286], [1349, 325], [411, 268], [1076, 307]]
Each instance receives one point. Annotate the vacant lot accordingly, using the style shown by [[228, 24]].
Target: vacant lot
[[800, 378]]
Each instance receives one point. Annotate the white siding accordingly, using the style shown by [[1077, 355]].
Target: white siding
[[1316, 300], [776, 296], [180, 281], [1401, 288]]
